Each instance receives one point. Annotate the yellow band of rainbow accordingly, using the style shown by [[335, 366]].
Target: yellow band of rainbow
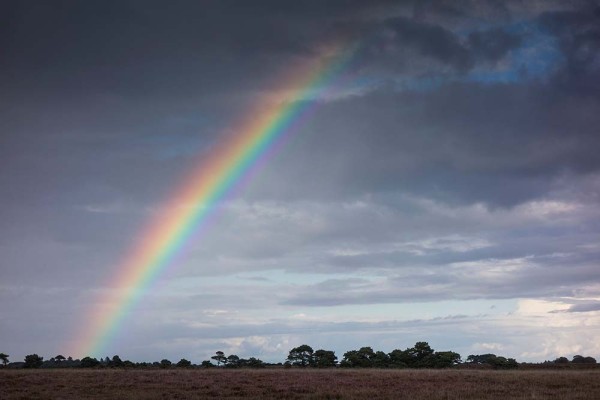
[[208, 185]]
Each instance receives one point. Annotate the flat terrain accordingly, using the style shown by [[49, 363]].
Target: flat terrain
[[298, 384]]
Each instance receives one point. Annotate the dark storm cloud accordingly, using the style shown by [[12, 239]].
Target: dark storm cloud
[[147, 48], [430, 41], [403, 45], [153, 48], [134, 48], [578, 34], [467, 142], [460, 163], [117, 89], [492, 45]]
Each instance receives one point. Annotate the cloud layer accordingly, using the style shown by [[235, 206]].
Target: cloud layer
[[450, 185]]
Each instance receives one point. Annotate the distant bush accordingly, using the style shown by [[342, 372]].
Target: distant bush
[[583, 360], [497, 362], [33, 361], [183, 363], [89, 362]]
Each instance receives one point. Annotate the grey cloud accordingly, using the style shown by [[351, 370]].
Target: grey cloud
[[467, 142], [492, 45], [584, 307], [294, 327], [206, 339], [106, 105], [481, 279], [378, 238], [432, 41], [579, 38], [151, 48]]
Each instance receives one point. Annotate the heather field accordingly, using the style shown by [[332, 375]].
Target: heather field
[[299, 384]]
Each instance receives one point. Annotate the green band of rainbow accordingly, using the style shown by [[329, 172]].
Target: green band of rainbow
[[200, 195]]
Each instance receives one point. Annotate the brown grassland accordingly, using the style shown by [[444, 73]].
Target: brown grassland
[[298, 384]]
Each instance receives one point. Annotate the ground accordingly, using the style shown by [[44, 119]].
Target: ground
[[298, 384]]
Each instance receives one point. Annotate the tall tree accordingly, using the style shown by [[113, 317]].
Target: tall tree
[[4, 358], [116, 361], [380, 360], [220, 358], [361, 358], [233, 361], [324, 358], [399, 358], [301, 356]]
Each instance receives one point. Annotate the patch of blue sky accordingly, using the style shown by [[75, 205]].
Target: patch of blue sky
[[537, 58]]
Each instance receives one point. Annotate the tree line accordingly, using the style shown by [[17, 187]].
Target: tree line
[[577, 359], [421, 355]]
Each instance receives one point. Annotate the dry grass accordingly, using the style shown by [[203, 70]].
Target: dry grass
[[298, 384]]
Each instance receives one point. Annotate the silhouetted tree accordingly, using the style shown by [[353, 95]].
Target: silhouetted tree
[[183, 363], [362, 358], [232, 361], [33, 361], [561, 360], [578, 359], [219, 358], [60, 358], [380, 360], [4, 358], [399, 359], [89, 362], [116, 361], [164, 363], [301, 355], [324, 358], [254, 363], [441, 359], [207, 364], [498, 362], [419, 354]]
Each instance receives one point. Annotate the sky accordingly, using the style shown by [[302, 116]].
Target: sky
[[447, 189]]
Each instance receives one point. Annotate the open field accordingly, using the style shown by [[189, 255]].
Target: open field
[[298, 384]]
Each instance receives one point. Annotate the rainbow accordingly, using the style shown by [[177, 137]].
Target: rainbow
[[201, 193]]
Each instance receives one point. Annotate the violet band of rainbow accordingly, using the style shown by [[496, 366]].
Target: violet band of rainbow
[[200, 194]]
